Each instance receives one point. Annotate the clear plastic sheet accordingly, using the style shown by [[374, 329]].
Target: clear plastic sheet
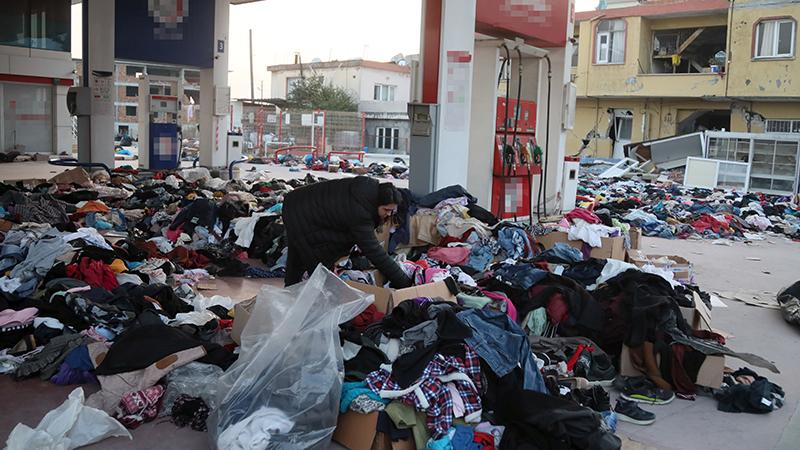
[[291, 361], [195, 379]]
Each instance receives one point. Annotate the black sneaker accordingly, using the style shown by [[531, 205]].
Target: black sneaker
[[601, 372], [642, 390], [628, 411]]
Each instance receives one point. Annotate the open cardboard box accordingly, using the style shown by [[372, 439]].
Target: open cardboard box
[[612, 247], [386, 299], [710, 373], [356, 431], [241, 314], [681, 267], [636, 238]]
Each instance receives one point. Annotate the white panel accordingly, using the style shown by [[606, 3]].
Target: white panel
[[701, 173]]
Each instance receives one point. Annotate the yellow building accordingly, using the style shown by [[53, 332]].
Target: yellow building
[[669, 67]]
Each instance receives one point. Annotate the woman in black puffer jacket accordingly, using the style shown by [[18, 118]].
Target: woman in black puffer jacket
[[324, 220]]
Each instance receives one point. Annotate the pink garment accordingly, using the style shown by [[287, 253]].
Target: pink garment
[[433, 275], [450, 255], [173, 235], [581, 213], [12, 318], [511, 310], [458, 402]]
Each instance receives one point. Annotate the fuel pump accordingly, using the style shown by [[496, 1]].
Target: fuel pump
[[159, 128]]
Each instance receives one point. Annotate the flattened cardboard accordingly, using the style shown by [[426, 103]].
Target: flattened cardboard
[[77, 176], [611, 247], [681, 267], [356, 431]]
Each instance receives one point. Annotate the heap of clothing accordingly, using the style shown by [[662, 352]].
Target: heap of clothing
[[541, 330], [670, 210]]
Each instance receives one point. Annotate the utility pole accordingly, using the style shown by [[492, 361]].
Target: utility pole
[[252, 90]]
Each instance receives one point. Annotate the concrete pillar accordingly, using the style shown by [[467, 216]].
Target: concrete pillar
[[482, 121], [213, 126], [555, 148], [456, 54], [100, 35], [62, 122]]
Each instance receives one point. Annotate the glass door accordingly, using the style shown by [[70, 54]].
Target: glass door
[[27, 118]]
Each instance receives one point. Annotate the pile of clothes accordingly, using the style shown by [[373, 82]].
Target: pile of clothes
[[101, 284], [669, 210]]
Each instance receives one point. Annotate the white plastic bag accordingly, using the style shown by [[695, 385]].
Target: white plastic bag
[[69, 426], [290, 363]]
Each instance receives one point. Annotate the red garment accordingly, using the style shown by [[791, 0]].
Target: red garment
[[368, 317], [706, 221], [485, 440], [173, 235], [575, 356], [188, 259], [95, 273], [557, 309], [581, 213]]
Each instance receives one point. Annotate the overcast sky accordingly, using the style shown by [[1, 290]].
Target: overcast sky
[[324, 29]]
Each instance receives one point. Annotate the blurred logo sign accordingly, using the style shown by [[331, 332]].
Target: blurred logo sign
[[168, 16]]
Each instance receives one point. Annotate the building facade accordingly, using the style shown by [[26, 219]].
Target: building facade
[[671, 67], [382, 91], [36, 71]]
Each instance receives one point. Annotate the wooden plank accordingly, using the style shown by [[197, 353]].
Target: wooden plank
[[689, 40]]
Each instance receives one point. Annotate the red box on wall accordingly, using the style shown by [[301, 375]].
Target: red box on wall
[[526, 122]]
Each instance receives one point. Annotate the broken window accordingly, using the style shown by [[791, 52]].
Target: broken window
[[775, 38], [689, 50], [610, 42]]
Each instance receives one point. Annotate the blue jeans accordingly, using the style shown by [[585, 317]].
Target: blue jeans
[[503, 345]]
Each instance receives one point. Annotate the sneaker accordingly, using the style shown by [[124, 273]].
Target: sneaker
[[601, 372], [628, 411], [642, 390]]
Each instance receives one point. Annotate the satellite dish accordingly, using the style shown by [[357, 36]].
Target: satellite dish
[[399, 59]]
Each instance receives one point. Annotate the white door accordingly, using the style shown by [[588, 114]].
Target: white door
[[623, 128]]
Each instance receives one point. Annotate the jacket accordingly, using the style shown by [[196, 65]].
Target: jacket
[[324, 220]]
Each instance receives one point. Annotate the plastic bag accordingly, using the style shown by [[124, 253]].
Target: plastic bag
[[69, 426], [290, 369], [194, 379]]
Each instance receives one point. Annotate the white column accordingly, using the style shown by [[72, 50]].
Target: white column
[[101, 62], [482, 122], [214, 128], [555, 149], [62, 122], [457, 51]]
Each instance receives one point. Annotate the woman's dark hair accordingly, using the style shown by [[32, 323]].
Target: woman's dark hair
[[387, 194]]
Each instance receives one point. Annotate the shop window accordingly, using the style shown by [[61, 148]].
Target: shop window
[[41, 24], [610, 42], [775, 38], [783, 126]]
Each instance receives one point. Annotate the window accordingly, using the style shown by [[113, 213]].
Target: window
[[163, 72], [775, 38], [387, 138], [782, 126], [131, 91], [384, 93], [290, 83], [131, 71], [42, 24], [610, 42], [130, 110]]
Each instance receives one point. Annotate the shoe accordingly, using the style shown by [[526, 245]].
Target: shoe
[[601, 372], [629, 411], [642, 390]]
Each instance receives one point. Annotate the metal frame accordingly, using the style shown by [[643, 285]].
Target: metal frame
[[716, 174]]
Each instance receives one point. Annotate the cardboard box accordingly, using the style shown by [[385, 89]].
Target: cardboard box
[[422, 231], [612, 247], [681, 267], [636, 238], [710, 373], [386, 299], [357, 431], [241, 314]]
